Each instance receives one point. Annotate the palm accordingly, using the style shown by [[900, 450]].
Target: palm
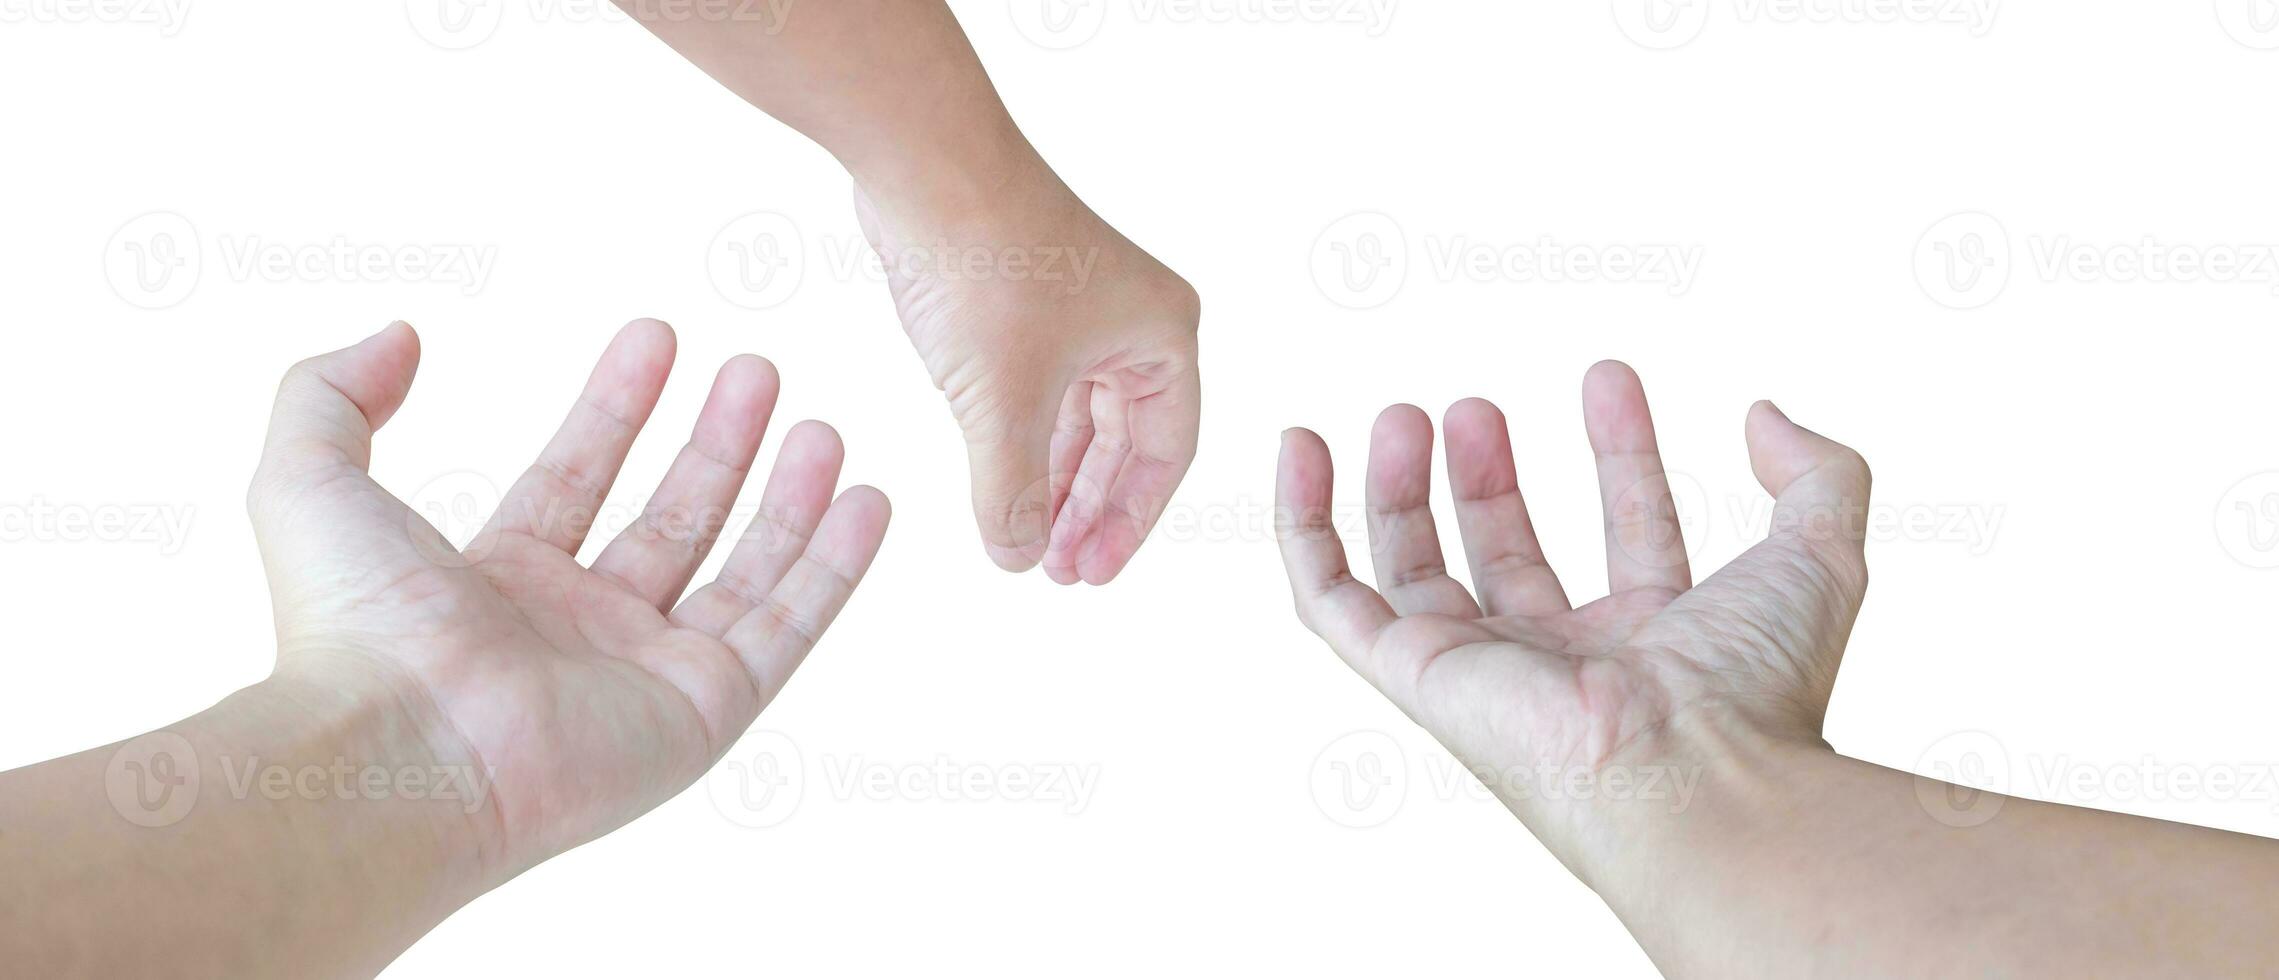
[[1068, 357], [1563, 682], [1518, 678], [589, 695]]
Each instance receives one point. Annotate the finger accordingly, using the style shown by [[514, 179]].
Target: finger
[[1012, 494], [1645, 547], [1163, 429], [798, 492], [557, 500], [1819, 486], [1330, 602], [1802, 586], [657, 555], [329, 406], [775, 637], [1071, 437], [1404, 543], [1102, 462], [1508, 568]]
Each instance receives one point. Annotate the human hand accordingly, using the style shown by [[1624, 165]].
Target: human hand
[[590, 695], [1522, 682], [1069, 359]]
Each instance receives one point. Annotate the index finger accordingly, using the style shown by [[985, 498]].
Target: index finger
[[1163, 433], [1330, 601]]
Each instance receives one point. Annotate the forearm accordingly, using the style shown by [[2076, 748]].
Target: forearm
[[312, 841], [1791, 860], [890, 87]]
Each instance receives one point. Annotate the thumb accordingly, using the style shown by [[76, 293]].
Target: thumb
[[328, 406], [1012, 496], [1819, 486]]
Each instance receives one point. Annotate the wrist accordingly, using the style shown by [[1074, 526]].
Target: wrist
[[992, 191], [261, 801], [335, 762], [1723, 776]]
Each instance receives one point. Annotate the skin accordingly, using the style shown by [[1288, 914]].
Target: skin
[[584, 696], [1069, 359], [1760, 872]]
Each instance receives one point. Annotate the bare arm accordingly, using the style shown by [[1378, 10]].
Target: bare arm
[[1795, 861], [891, 88], [234, 843], [1664, 740], [439, 719]]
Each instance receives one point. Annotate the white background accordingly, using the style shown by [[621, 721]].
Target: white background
[[2074, 568]]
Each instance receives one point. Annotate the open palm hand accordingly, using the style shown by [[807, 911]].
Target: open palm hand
[[1521, 684], [585, 695]]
